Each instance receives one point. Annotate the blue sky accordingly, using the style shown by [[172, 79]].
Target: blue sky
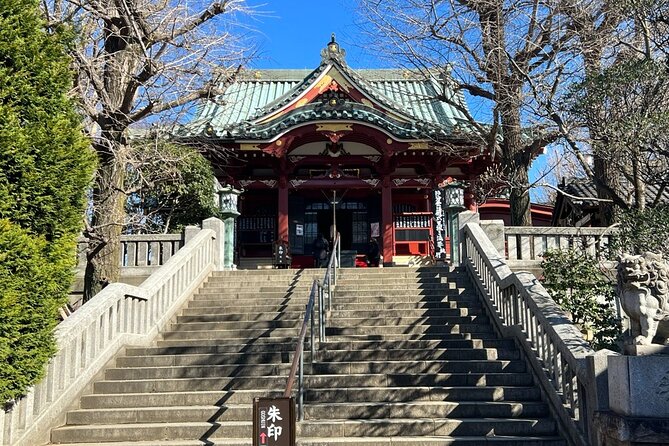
[[291, 34]]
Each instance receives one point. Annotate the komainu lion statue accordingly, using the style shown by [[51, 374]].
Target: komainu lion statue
[[643, 287]]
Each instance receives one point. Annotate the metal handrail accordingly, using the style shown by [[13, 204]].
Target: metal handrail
[[329, 282]]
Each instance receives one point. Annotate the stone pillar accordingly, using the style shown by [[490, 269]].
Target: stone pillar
[[494, 229], [638, 399], [282, 223], [229, 256], [218, 227], [464, 218], [188, 233], [387, 223]]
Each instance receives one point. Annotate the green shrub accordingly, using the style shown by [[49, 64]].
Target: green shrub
[[577, 284], [34, 280], [45, 168], [642, 231]]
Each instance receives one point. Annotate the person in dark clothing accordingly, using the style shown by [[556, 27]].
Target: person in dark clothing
[[373, 253], [320, 251]]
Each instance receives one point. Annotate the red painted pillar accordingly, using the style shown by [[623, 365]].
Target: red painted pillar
[[387, 223], [283, 210]]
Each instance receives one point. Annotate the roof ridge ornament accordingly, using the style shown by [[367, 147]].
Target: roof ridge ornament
[[333, 52]]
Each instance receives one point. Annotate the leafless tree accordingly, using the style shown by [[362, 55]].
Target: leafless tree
[[621, 100], [507, 55], [138, 61]]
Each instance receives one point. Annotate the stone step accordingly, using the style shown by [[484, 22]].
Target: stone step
[[426, 426], [244, 412], [198, 315], [260, 341], [358, 306], [268, 357], [238, 382], [408, 378], [429, 320], [426, 440], [212, 349], [362, 441], [424, 393], [368, 287], [417, 344], [404, 373], [235, 306], [238, 325], [411, 336], [176, 398], [338, 322], [192, 315], [216, 357], [427, 409], [418, 329], [401, 379], [330, 428], [240, 333], [381, 296], [247, 371], [164, 414], [466, 353]]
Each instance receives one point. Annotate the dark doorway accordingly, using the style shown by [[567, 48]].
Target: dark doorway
[[344, 226]]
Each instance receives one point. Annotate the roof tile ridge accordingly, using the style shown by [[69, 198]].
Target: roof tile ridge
[[287, 97], [389, 102]]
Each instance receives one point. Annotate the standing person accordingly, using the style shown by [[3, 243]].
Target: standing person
[[320, 251], [373, 253]]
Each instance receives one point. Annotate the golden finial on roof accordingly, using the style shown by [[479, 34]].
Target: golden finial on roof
[[333, 50]]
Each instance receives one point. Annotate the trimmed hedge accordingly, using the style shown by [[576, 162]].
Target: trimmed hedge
[[34, 280], [45, 167]]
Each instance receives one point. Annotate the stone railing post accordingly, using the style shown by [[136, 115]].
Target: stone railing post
[[218, 227], [188, 233], [598, 399], [494, 229], [465, 217]]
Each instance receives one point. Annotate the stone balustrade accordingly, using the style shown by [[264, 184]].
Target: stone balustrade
[[529, 243], [522, 309], [141, 249], [118, 316]]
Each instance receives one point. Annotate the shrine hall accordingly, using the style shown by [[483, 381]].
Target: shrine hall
[[363, 151]]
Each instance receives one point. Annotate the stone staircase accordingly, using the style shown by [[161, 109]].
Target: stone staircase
[[411, 359]]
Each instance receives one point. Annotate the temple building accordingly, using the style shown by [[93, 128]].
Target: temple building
[[362, 151]]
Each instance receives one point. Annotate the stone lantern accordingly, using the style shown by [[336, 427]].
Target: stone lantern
[[228, 197]]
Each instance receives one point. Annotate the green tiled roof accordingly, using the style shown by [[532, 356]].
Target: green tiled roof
[[255, 90], [258, 93]]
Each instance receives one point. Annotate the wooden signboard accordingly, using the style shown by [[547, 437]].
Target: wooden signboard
[[273, 422]]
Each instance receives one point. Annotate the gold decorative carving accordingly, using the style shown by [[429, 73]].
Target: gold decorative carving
[[334, 127], [418, 146], [249, 147]]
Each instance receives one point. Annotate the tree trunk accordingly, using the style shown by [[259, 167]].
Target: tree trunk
[[104, 254], [516, 161], [605, 163], [507, 82]]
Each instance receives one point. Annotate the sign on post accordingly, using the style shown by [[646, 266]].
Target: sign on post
[[274, 422]]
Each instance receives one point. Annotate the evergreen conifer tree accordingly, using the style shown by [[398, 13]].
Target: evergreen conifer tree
[[45, 167]]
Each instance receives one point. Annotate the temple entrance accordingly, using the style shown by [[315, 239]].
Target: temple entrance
[[353, 223]]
